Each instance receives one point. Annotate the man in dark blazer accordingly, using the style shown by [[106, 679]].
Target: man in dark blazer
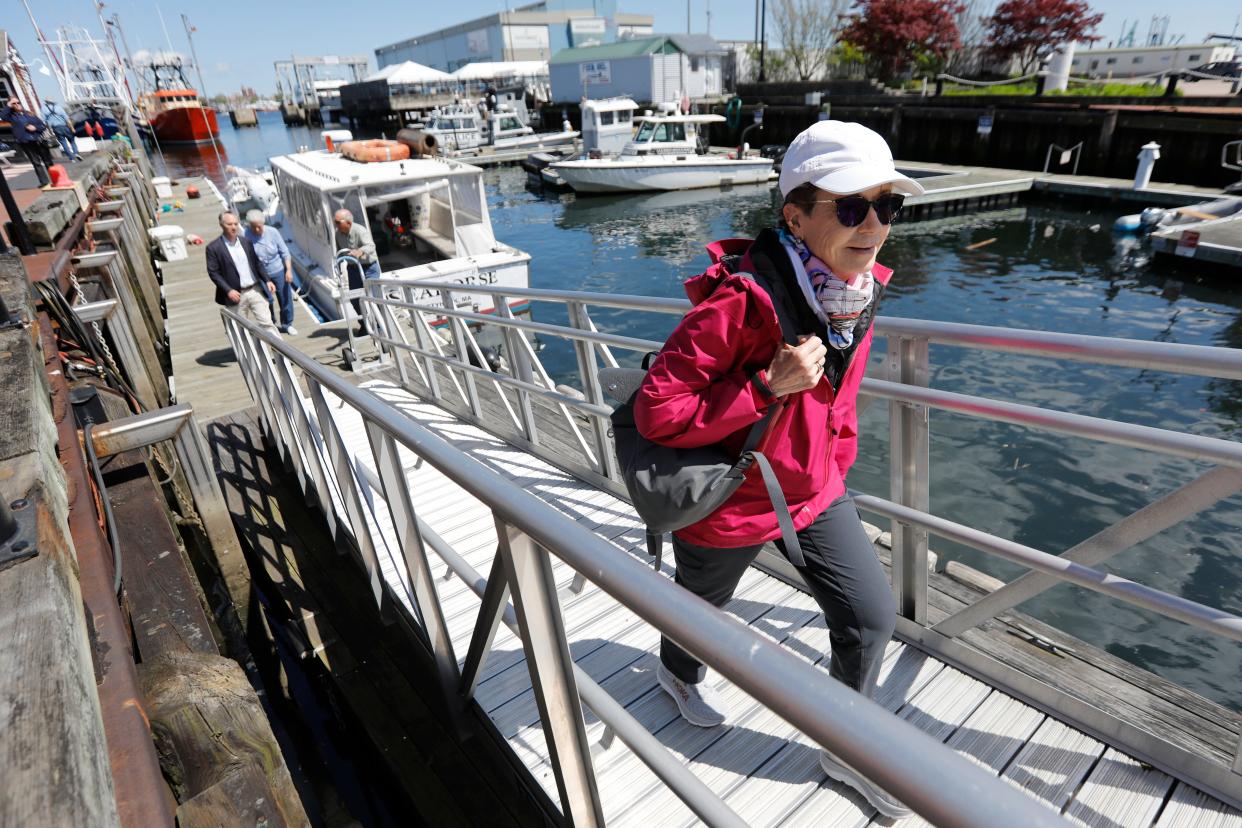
[[234, 268]]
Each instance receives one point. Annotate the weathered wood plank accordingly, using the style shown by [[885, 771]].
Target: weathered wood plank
[[205, 718], [241, 798]]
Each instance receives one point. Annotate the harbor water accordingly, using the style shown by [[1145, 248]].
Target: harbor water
[[1052, 267]]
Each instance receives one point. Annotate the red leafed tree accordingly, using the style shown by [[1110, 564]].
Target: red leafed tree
[[1021, 28], [897, 33]]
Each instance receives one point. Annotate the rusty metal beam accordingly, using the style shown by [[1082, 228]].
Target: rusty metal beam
[[141, 794]]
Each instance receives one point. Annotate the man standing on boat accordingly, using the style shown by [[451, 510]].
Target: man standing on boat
[[356, 240], [234, 268], [276, 262], [28, 130]]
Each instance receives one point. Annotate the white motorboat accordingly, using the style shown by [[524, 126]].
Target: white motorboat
[[1160, 218], [427, 215], [463, 130], [669, 152]]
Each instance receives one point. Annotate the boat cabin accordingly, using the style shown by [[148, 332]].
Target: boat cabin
[[671, 135], [419, 211], [607, 125]]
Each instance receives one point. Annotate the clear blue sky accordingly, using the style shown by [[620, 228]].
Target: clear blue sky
[[239, 48]]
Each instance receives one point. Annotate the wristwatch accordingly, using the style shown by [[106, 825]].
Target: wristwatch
[[759, 379]]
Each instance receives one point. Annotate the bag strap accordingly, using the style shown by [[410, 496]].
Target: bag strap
[[788, 534]]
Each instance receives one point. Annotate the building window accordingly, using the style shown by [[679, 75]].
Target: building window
[[1111, 61], [1195, 58], [694, 64], [1137, 60], [1095, 64]]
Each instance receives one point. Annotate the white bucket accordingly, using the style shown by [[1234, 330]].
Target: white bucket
[[171, 240], [163, 186]]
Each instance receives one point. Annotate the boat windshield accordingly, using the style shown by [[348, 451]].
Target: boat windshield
[[510, 123], [651, 131]]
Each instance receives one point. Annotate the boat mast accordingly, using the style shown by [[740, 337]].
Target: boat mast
[[202, 91]]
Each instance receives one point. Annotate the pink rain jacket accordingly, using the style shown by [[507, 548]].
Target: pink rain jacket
[[698, 392]]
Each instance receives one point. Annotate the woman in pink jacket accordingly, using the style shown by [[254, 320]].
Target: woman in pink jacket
[[727, 362]]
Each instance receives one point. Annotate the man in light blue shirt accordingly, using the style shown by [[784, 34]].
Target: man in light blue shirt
[[277, 264]]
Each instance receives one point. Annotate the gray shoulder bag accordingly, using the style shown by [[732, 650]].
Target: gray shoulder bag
[[672, 488]]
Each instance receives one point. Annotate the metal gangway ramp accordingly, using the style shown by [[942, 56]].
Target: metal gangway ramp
[[526, 576]]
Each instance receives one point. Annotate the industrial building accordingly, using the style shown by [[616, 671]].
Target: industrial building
[[532, 32], [652, 69], [1133, 61]]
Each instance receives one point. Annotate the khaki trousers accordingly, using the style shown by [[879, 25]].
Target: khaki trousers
[[253, 306]]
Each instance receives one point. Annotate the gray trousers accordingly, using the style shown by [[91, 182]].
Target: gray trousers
[[842, 572]]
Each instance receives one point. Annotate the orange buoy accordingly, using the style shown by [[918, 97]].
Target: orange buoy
[[58, 175], [191, 191], [375, 150]]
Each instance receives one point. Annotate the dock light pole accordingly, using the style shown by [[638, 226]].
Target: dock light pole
[[763, 36]]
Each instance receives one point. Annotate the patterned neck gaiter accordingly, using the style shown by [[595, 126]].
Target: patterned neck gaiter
[[842, 301]]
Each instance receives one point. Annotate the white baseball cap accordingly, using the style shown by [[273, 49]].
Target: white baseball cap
[[842, 157]]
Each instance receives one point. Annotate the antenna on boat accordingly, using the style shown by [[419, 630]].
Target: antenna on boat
[[202, 90]]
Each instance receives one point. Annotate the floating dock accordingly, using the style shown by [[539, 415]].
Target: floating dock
[[1218, 242]]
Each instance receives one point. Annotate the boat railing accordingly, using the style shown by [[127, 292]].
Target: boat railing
[[302, 426], [430, 365]]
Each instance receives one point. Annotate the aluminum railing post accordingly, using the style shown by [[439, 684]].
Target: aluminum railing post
[[311, 456], [588, 372], [529, 573], [519, 363], [347, 483], [462, 349], [418, 569], [491, 612], [420, 339], [908, 361]]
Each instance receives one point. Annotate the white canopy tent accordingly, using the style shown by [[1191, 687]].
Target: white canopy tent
[[409, 73], [496, 70]]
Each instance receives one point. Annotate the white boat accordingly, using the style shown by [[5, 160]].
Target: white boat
[[463, 129], [1184, 218], [427, 215], [669, 152]]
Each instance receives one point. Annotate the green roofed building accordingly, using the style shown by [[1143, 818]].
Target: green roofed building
[[652, 69]]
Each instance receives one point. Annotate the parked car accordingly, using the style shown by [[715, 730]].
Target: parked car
[[1224, 69]]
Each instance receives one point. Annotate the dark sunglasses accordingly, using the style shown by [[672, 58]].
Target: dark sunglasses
[[852, 209]]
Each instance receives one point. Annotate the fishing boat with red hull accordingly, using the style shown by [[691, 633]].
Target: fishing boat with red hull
[[177, 116], [173, 109]]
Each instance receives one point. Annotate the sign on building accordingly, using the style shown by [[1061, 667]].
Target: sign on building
[[476, 42], [595, 71], [587, 31], [527, 37]]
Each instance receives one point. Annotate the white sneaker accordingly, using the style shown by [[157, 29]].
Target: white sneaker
[[880, 799], [700, 704], [292, 331]]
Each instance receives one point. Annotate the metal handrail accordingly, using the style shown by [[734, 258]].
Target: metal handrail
[[930, 777], [1199, 615], [1192, 446], [907, 383], [1202, 360]]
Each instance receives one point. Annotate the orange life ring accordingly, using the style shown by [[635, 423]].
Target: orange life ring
[[375, 150]]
